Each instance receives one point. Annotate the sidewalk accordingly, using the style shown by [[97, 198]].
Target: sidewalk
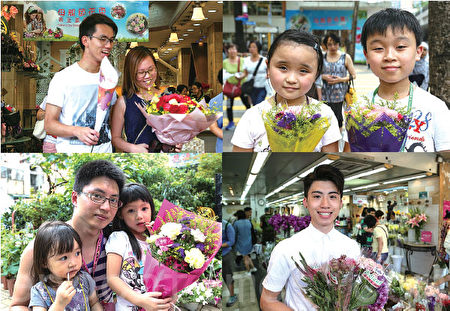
[[365, 82], [5, 299]]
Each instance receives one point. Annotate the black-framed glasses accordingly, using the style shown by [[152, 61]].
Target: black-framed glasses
[[142, 74], [98, 198], [104, 40]]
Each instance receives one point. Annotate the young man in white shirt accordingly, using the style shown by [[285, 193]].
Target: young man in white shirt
[[318, 243]]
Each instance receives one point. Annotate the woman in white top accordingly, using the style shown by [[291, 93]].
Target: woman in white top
[[258, 93]]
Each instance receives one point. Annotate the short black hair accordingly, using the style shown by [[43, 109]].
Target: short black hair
[[247, 209], [240, 214], [132, 192], [53, 238], [180, 88], [370, 210], [298, 37], [171, 90], [396, 19], [333, 37], [379, 214], [325, 173], [258, 45], [98, 168], [88, 25], [198, 85], [370, 221]]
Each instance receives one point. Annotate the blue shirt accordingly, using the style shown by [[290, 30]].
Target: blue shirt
[[228, 236], [216, 103], [243, 228]]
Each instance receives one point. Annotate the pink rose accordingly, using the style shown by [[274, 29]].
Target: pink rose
[[164, 243]]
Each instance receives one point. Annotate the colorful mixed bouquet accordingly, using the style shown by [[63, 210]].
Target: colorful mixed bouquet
[[345, 284], [30, 65], [379, 127], [282, 222], [137, 23], [57, 33], [295, 128], [118, 11], [176, 119], [182, 246]]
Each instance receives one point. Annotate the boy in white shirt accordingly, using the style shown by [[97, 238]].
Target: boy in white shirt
[[318, 243], [390, 39]]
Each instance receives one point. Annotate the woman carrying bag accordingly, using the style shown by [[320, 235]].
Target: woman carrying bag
[[233, 75], [255, 70]]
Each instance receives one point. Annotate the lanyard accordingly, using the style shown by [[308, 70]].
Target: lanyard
[[96, 256], [82, 289], [410, 98]]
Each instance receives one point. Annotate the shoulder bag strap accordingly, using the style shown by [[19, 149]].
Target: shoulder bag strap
[[257, 66], [238, 69]]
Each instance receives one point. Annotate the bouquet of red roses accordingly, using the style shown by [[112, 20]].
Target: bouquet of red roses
[[182, 246], [176, 119]]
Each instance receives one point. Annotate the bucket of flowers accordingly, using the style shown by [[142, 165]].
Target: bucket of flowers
[[176, 119], [295, 128], [182, 245]]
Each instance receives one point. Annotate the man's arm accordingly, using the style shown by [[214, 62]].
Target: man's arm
[[54, 127], [24, 281], [269, 301]]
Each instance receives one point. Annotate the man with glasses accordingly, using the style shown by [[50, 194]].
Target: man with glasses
[[95, 198], [72, 95]]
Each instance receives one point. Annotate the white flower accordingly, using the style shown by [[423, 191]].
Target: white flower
[[198, 235], [171, 230], [195, 258], [208, 293], [152, 238]]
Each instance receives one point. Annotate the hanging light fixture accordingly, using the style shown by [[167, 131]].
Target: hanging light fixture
[[173, 36], [197, 14], [155, 55]]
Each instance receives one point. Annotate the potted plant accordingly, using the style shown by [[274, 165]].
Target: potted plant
[[13, 245]]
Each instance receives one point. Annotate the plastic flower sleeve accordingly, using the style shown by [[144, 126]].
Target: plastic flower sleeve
[[108, 81], [160, 278]]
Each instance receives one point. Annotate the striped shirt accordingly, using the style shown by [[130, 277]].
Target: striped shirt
[[104, 293]]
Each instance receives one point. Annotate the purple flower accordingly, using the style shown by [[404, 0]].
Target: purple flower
[[200, 246], [286, 120], [175, 245], [316, 116], [184, 228], [181, 252], [383, 292]]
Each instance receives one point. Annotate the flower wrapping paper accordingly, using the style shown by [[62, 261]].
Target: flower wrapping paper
[[305, 142], [174, 128], [160, 278], [364, 136], [108, 81]]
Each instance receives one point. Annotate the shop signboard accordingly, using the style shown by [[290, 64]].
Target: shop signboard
[[309, 20], [360, 199], [60, 20]]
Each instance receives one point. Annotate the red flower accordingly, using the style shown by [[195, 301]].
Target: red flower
[[400, 117], [180, 109]]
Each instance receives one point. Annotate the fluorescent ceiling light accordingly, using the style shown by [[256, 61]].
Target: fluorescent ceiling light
[[369, 172], [251, 178], [324, 162], [366, 186], [405, 179], [259, 162]]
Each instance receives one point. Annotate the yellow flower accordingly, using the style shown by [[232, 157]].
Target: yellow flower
[[195, 258]]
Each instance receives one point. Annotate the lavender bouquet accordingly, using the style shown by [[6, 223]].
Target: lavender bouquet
[[282, 222], [377, 127], [295, 128], [345, 284]]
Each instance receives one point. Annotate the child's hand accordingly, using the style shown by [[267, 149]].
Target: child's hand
[[65, 293], [150, 302]]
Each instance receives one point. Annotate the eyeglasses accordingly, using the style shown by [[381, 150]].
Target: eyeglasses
[[142, 74], [100, 199], [104, 40]]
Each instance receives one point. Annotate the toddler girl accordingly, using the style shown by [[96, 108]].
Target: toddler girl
[[61, 285], [294, 62], [126, 249]]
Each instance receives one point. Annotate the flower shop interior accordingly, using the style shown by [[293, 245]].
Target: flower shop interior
[[187, 47], [412, 184]]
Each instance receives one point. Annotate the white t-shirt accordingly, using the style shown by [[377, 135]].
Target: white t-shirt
[[261, 74], [132, 270], [428, 131], [48, 138], [76, 92], [250, 132], [317, 248]]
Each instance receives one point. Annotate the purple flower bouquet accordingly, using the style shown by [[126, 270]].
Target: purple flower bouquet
[[377, 127], [281, 222], [295, 128], [345, 284]]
